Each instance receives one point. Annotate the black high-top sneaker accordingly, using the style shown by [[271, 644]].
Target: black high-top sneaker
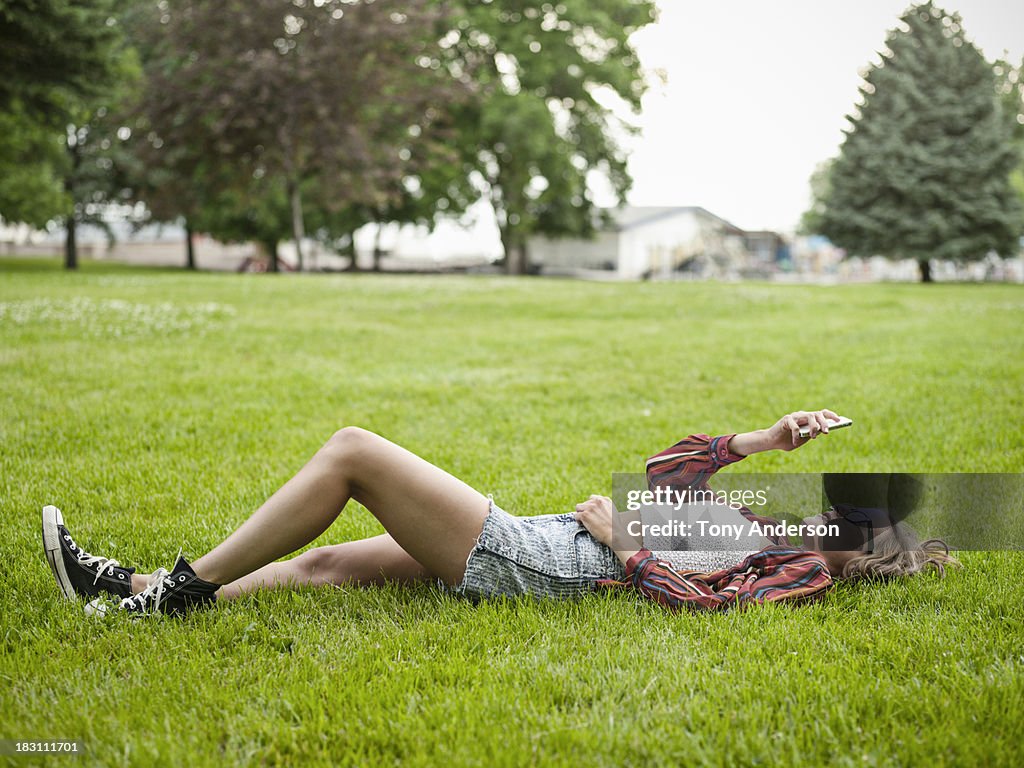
[[176, 592], [77, 572]]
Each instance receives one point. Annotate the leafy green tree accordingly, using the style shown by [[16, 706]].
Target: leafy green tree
[[924, 170], [59, 60], [259, 213], [95, 171], [31, 158], [319, 99], [179, 186], [55, 50], [432, 186], [545, 76], [1010, 87]]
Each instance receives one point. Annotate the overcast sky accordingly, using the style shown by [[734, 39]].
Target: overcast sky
[[757, 93]]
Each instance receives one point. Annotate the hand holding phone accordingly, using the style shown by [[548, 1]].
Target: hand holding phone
[[838, 423]]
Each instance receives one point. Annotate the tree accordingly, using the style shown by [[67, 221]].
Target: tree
[[58, 61], [1010, 87], [318, 99], [31, 157], [433, 185], [53, 50], [95, 170], [821, 184], [180, 186], [541, 122], [924, 170], [259, 213]]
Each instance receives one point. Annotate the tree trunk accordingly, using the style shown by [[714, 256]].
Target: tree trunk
[[298, 224], [516, 263], [272, 265], [376, 248], [515, 253], [71, 243], [925, 265], [190, 251], [350, 250]]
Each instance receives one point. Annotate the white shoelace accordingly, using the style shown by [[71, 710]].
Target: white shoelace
[[158, 582], [101, 563]]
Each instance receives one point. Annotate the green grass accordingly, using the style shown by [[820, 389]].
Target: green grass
[[157, 409]]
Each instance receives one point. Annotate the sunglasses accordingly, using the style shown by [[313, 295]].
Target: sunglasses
[[864, 517]]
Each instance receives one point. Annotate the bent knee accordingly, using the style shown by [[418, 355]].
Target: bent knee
[[322, 565], [349, 436], [350, 443]]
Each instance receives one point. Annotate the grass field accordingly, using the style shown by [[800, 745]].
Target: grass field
[[157, 409]]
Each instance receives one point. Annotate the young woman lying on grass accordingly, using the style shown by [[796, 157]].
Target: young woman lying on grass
[[439, 527]]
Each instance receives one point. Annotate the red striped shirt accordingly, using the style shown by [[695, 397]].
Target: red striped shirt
[[778, 572]]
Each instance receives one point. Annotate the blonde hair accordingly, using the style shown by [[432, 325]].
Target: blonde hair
[[897, 552]]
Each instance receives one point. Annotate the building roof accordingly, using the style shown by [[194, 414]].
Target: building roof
[[632, 216]]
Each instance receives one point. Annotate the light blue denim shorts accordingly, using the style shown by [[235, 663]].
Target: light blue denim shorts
[[542, 555]]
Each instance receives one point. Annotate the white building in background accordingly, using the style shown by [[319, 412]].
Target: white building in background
[[648, 242], [469, 241], [643, 242]]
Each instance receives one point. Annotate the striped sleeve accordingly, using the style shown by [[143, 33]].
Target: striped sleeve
[[771, 575], [657, 581], [690, 462]]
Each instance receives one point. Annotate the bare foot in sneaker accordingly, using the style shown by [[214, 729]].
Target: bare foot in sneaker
[[177, 592], [78, 572]]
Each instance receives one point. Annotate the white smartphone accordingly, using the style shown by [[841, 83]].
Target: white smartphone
[[832, 424]]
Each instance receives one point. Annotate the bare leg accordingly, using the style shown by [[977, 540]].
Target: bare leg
[[375, 560], [433, 516], [369, 561]]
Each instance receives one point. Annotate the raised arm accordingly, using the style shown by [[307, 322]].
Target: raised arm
[[690, 462], [783, 435], [687, 465]]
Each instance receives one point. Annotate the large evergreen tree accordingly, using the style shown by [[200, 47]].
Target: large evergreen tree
[[1010, 87], [924, 170]]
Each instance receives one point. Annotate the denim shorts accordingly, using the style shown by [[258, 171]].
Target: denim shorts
[[543, 556]]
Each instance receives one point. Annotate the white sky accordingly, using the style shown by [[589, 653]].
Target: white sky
[[757, 93]]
